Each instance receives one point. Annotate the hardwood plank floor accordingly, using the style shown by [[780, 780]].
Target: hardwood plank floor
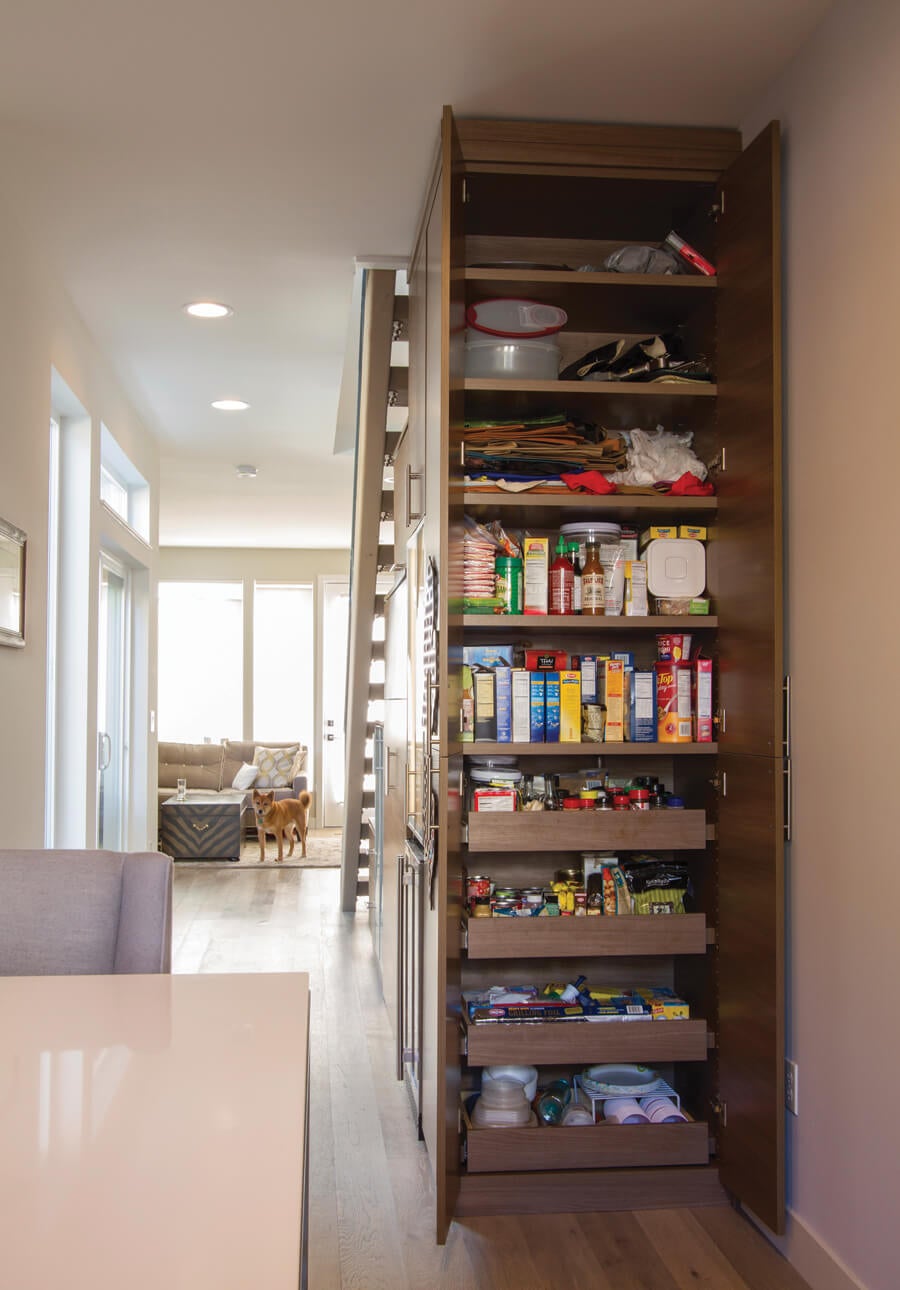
[[371, 1221]]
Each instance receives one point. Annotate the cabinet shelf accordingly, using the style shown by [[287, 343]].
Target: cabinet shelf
[[633, 935], [599, 302], [481, 749], [549, 510], [562, 1042], [502, 831], [590, 1146], [613, 623], [654, 391]]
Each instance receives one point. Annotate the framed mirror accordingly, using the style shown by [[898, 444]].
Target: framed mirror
[[12, 585]]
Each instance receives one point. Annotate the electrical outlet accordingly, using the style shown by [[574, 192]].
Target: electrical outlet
[[791, 1081]]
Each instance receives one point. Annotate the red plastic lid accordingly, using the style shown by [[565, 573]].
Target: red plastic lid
[[571, 803], [509, 316], [639, 795]]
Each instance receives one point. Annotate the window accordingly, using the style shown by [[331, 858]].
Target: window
[[283, 673], [201, 659], [114, 493], [122, 487]]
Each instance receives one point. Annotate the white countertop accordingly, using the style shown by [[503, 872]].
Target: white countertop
[[152, 1131]]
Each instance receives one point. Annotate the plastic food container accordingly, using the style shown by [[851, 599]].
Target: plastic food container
[[508, 316], [676, 567], [490, 356], [584, 531]]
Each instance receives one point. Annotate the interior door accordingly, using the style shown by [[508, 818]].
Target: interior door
[[112, 704], [335, 625]]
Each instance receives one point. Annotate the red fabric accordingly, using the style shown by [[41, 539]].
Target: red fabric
[[690, 486], [588, 481]]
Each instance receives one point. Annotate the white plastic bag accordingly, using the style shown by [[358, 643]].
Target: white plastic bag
[[659, 457]]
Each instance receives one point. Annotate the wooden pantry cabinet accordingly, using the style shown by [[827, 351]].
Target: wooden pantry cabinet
[[547, 194]]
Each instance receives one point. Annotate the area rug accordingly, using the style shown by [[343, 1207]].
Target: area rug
[[323, 851]]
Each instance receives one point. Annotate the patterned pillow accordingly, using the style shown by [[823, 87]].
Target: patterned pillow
[[299, 766], [274, 766]]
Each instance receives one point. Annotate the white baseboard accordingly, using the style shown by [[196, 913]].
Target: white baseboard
[[816, 1262]]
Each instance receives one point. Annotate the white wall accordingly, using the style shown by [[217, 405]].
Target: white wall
[[40, 330], [249, 565], [839, 104]]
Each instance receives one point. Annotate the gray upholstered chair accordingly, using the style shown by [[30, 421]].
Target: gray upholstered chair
[[85, 913]]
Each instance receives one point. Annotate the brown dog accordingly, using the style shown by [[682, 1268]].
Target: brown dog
[[280, 818]]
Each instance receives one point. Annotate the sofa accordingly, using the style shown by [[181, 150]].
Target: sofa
[[212, 768]]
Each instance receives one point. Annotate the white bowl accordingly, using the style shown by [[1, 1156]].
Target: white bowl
[[527, 1076]]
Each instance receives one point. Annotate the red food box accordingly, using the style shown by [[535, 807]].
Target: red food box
[[702, 704], [546, 660]]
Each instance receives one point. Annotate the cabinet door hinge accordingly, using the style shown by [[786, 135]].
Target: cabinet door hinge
[[465, 191], [720, 720], [721, 1110], [786, 690], [464, 936], [718, 207]]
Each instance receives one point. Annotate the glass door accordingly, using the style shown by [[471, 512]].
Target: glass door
[[335, 626], [112, 705]]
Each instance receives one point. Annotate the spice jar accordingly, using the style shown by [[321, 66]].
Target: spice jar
[[640, 799], [621, 802]]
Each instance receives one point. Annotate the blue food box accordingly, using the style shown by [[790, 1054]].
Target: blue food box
[[551, 708], [538, 703], [589, 678], [503, 676], [643, 707]]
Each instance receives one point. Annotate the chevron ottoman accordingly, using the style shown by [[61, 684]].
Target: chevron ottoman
[[205, 826]]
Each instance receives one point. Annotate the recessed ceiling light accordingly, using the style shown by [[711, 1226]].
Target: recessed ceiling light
[[246, 472], [229, 405], [208, 309]]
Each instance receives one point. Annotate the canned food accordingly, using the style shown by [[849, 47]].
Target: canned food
[[508, 574], [482, 907]]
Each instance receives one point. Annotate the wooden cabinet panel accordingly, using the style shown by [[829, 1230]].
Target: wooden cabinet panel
[[748, 548], [577, 1042], [750, 956], [522, 938], [592, 1146], [586, 830]]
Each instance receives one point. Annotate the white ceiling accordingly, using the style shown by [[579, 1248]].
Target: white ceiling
[[247, 152]]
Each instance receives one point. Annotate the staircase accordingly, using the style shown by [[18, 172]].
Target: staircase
[[381, 420]]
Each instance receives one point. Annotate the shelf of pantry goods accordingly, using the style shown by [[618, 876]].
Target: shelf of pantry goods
[[481, 748], [595, 302], [560, 1042], [603, 622], [674, 830], [590, 937], [588, 1146]]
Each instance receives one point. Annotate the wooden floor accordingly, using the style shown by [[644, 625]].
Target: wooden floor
[[371, 1199]]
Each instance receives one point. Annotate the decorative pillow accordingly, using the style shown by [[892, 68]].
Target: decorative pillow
[[274, 766], [246, 776], [299, 766]]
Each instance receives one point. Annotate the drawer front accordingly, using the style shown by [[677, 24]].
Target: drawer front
[[201, 832]]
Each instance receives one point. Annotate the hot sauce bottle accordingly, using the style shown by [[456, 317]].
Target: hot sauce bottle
[[562, 581]]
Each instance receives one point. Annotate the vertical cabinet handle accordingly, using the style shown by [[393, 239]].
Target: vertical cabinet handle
[[411, 515]]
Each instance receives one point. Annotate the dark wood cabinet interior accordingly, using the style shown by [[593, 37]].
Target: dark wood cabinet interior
[[561, 197]]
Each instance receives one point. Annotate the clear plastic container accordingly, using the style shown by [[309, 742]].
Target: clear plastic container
[[533, 360]]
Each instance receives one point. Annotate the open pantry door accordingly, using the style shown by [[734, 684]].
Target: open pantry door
[[750, 951], [747, 571]]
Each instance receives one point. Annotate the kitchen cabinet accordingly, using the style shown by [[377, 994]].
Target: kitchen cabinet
[[533, 197]]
